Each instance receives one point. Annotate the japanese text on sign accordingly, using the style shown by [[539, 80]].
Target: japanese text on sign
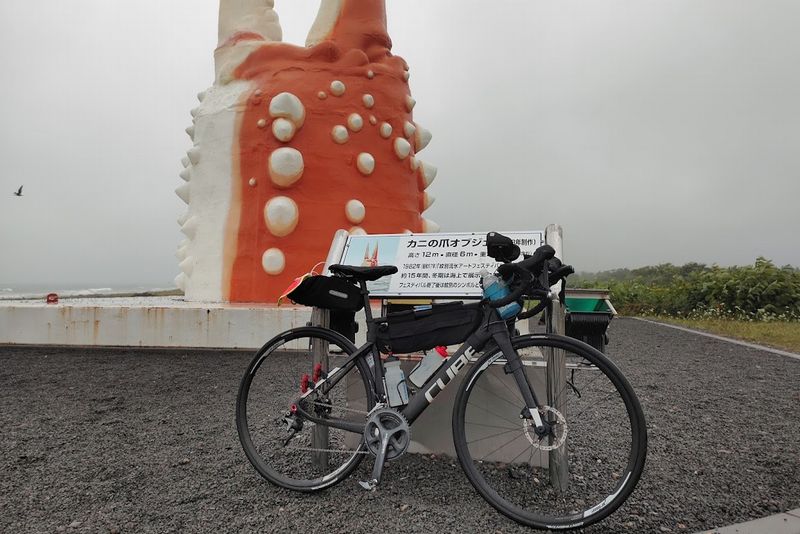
[[431, 265]]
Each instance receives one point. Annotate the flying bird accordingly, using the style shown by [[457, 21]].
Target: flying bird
[[18, 192]]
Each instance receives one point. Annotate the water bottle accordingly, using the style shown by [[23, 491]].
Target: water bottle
[[495, 288], [429, 364], [396, 389]]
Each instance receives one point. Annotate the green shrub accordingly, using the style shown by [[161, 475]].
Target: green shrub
[[761, 291]]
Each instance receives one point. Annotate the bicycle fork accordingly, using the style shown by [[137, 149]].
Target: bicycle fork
[[515, 367]]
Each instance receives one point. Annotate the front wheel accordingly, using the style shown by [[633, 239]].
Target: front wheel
[[285, 448], [587, 464]]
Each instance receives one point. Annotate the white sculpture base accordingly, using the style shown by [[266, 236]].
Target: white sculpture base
[[164, 322]]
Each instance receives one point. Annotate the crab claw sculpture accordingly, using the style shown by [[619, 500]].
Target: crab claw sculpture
[[293, 143]]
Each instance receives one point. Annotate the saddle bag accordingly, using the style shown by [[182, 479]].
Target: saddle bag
[[329, 292], [415, 330]]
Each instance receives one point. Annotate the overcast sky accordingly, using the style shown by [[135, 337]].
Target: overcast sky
[[658, 131]]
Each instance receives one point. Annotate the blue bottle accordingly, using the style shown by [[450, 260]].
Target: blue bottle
[[495, 289]]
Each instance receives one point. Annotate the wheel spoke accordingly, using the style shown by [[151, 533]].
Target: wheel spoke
[[596, 440], [317, 455]]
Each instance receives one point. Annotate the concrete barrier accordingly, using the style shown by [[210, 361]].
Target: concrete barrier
[[145, 322]]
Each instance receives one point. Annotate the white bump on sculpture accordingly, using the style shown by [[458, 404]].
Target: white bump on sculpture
[[414, 162], [201, 96], [410, 103], [286, 166], [182, 219], [185, 174], [355, 122], [262, 123], [180, 282], [340, 134], [252, 182], [194, 155], [273, 261], [370, 74], [190, 131], [283, 130], [183, 192], [187, 265], [422, 137], [322, 95], [368, 100], [429, 226], [357, 230], [373, 120], [288, 106], [427, 201], [281, 215], [365, 163], [428, 173], [337, 88], [189, 229], [406, 75], [402, 148], [182, 252], [409, 129], [386, 130], [185, 161], [355, 211]]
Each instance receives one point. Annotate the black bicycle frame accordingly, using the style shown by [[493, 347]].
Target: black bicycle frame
[[492, 328]]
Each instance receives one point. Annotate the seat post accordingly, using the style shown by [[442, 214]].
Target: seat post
[[367, 308]]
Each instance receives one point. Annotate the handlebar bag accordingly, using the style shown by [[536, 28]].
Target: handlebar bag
[[329, 292], [415, 330]]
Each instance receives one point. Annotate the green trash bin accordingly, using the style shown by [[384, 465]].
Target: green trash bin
[[587, 319]]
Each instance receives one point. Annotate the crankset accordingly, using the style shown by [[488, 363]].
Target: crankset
[[387, 436]]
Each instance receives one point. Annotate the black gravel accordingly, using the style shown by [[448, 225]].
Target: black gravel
[[97, 440]]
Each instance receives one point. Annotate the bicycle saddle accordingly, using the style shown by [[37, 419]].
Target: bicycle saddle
[[369, 274]]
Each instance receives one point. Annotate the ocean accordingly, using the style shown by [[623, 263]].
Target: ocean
[[35, 291]]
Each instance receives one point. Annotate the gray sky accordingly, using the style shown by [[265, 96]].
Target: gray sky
[[659, 131]]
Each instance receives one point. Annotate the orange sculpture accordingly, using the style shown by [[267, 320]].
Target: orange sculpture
[[293, 143]]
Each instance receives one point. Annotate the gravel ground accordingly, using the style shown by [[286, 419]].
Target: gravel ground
[[145, 441]]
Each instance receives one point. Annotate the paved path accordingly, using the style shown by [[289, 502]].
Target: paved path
[[786, 523]]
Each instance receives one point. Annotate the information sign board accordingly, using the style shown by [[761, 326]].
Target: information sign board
[[443, 265]]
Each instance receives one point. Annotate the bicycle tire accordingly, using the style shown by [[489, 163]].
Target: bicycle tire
[[267, 390], [603, 428]]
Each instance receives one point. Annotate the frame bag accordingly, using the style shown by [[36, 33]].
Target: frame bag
[[417, 330]]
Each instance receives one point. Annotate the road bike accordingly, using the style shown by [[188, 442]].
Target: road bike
[[546, 428]]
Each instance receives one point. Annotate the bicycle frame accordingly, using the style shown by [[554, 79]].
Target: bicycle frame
[[492, 328]]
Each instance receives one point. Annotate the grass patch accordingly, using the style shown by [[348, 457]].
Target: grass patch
[[777, 334]]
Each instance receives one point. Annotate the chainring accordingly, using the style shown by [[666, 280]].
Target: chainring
[[381, 422]]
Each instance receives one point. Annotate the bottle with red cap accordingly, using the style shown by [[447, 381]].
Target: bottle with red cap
[[427, 366]]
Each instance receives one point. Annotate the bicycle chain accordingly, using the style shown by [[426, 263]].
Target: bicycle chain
[[335, 451], [311, 449]]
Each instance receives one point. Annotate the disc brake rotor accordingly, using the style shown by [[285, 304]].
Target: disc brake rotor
[[558, 425]]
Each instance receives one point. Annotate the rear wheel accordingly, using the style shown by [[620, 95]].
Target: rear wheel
[[285, 448], [597, 426]]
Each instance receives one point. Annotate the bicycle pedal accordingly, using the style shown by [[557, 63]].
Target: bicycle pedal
[[368, 485]]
